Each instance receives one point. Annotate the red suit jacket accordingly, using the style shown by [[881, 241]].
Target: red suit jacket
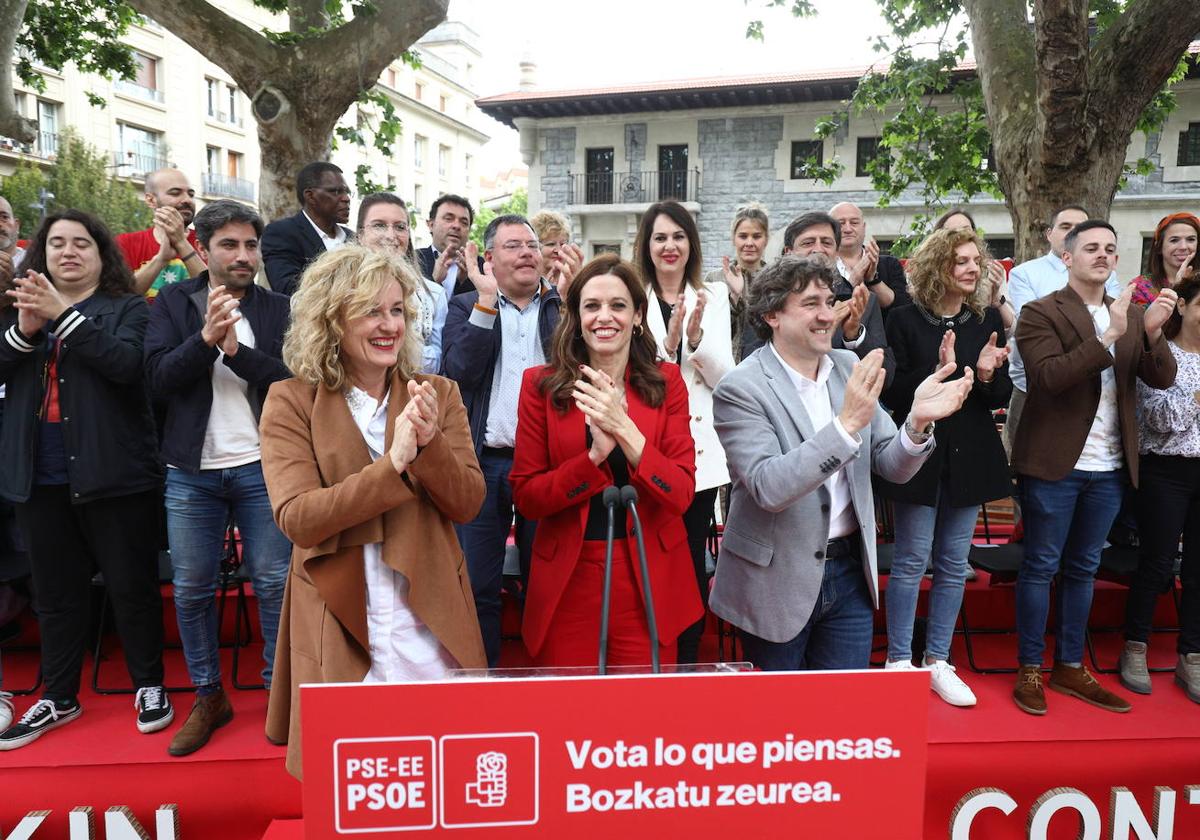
[[553, 481]]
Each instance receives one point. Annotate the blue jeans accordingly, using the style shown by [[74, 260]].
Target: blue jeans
[[1066, 522], [198, 511], [943, 532], [484, 540], [837, 636]]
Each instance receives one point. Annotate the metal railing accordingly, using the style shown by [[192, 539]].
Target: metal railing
[[139, 160], [140, 91], [632, 187], [45, 145], [227, 185]]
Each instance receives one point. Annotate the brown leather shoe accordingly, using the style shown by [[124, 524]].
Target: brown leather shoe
[[1028, 693], [1078, 682], [209, 713]]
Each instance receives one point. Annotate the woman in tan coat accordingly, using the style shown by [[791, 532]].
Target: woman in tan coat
[[368, 463]]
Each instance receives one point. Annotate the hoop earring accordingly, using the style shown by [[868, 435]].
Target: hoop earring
[[637, 330]]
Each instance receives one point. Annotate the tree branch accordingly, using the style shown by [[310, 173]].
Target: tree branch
[[368, 43], [12, 124], [1062, 54], [306, 14], [243, 53], [1135, 56]]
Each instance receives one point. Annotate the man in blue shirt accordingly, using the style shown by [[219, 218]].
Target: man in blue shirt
[[492, 335]]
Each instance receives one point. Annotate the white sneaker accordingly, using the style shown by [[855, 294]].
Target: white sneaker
[[902, 665], [6, 710], [948, 686]]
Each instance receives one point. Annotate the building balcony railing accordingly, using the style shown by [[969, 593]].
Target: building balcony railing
[[227, 185], [632, 187], [138, 162], [45, 146], [139, 91]]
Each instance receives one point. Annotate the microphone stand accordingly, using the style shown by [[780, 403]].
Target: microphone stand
[[629, 499], [611, 498]]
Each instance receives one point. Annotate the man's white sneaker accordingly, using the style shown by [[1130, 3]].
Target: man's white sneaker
[[6, 710], [902, 665], [948, 686]]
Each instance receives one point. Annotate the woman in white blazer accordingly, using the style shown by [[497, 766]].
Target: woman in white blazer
[[689, 320]]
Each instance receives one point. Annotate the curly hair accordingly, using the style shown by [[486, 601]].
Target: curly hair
[[336, 288], [568, 350], [547, 223], [115, 277], [930, 266]]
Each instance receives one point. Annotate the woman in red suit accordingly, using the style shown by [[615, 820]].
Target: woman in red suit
[[604, 412]]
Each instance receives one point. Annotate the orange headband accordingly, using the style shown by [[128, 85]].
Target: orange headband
[[1167, 221]]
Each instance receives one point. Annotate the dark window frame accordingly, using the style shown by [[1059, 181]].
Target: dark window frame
[[802, 150]]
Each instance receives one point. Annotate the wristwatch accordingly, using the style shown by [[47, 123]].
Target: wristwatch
[[874, 281], [914, 435]]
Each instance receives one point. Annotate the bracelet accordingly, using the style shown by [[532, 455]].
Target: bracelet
[[874, 281], [189, 255], [918, 437]]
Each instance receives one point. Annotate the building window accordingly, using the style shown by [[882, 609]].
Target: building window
[[598, 179], [144, 84], [1189, 145], [443, 160], [213, 95], [418, 152], [418, 91], [869, 149], [140, 150], [212, 160], [389, 78], [234, 164], [672, 172], [468, 162], [231, 104], [805, 154], [419, 198], [47, 118], [442, 103]]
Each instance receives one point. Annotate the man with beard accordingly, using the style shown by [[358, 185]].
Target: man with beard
[[165, 252], [492, 335], [213, 347], [291, 243]]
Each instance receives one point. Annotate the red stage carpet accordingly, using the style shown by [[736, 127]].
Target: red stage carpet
[[236, 787]]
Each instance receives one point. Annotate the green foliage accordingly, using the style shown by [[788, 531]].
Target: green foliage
[[85, 33], [519, 203], [800, 8], [81, 178]]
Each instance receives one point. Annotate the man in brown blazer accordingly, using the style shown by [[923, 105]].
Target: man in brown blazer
[[1076, 449]]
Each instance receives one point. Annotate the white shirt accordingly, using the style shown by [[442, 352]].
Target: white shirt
[[331, 243], [1102, 449], [451, 278], [402, 647], [814, 397], [231, 437], [1029, 281]]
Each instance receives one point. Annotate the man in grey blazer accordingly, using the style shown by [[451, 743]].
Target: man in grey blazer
[[802, 430]]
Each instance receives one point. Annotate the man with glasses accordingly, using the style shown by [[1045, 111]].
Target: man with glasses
[[492, 335], [289, 245]]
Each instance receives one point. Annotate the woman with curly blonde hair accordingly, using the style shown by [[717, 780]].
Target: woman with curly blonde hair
[[949, 321], [368, 463]]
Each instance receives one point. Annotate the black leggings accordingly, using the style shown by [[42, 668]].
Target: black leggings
[[697, 520]]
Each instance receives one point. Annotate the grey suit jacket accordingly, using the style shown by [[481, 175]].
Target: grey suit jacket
[[772, 555]]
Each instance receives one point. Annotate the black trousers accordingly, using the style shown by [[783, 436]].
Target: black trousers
[[1168, 503], [67, 543], [697, 521]]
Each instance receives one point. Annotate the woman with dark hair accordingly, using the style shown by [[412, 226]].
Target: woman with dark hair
[[604, 412], [949, 321], [689, 321], [1171, 256], [383, 226], [1168, 503], [81, 461]]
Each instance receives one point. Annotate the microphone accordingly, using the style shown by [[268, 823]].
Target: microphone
[[611, 498], [629, 499]]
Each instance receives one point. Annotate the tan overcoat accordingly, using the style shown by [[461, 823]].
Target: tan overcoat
[[330, 500]]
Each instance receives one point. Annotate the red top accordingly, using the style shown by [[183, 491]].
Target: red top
[[140, 247]]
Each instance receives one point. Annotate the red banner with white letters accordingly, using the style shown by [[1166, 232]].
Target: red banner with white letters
[[703, 755]]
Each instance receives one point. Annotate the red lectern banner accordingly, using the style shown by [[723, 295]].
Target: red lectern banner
[[689, 755]]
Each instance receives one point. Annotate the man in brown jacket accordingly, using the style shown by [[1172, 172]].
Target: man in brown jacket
[[1075, 450]]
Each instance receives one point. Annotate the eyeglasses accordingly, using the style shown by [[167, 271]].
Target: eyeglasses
[[514, 247], [384, 227]]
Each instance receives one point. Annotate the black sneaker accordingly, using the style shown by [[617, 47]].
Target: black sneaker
[[153, 708], [42, 716]]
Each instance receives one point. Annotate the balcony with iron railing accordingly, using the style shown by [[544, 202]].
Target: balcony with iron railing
[[128, 88], [45, 145], [228, 186], [139, 159], [584, 188]]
